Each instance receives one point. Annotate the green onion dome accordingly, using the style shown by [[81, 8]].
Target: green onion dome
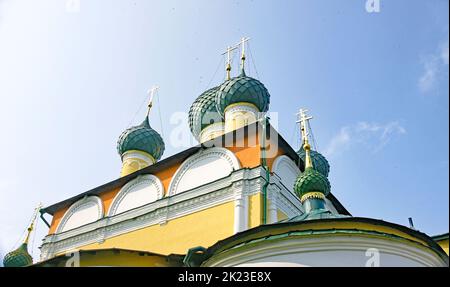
[[142, 138], [319, 162], [311, 181], [204, 105], [18, 258], [242, 89]]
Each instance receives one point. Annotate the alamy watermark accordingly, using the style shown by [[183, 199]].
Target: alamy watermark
[[373, 6], [251, 134], [74, 259], [373, 255]]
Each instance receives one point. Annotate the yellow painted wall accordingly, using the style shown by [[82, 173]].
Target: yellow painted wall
[[125, 259], [255, 210], [132, 161], [281, 215], [203, 228], [443, 244], [118, 258]]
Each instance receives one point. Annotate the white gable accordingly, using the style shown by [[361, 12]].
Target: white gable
[[82, 212], [142, 190], [286, 170], [204, 167]]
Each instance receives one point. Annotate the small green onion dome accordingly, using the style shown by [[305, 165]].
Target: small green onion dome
[[311, 181], [142, 138], [319, 162], [18, 258], [242, 89], [202, 106]]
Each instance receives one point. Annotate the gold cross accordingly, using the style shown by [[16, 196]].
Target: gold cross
[[151, 92]]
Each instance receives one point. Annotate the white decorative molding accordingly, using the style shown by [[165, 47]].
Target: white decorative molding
[[203, 167], [86, 210], [236, 187], [243, 108], [286, 169], [240, 207], [328, 250], [165, 209], [272, 208], [140, 191], [286, 201]]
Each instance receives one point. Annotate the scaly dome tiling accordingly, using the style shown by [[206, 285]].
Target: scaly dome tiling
[[311, 181], [242, 89], [202, 110], [141, 138], [18, 258], [319, 162]]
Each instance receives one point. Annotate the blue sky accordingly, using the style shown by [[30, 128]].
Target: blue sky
[[376, 84]]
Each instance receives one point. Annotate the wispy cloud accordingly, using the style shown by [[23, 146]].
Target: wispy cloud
[[373, 136], [428, 79], [433, 65], [444, 53]]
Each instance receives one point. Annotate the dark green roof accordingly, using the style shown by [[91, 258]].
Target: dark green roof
[[18, 258], [278, 230], [312, 232], [61, 260], [311, 181], [243, 89], [319, 162], [142, 138], [440, 237], [203, 112], [315, 214]]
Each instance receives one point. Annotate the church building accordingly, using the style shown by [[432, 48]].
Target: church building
[[241, 197]]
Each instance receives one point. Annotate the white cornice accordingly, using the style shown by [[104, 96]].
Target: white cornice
[[241, 108], [158, 212], [286, 201], [171, 207], [328, 248]]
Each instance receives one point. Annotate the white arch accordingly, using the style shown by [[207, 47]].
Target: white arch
[[86, 210], [287, 170], [203, 167], [138, 192]]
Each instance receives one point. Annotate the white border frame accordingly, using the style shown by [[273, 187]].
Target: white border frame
[[228, 189], [141, 179], [76, 206], [202, 154], [284, 159]]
